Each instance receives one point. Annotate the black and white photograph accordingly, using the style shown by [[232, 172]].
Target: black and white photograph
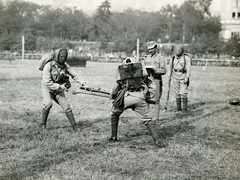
[[120, 89]]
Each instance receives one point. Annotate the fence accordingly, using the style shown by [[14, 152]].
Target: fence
[[195, 62], [214, 62]]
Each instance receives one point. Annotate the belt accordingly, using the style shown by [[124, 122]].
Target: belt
[[178, 70], [134, 89]]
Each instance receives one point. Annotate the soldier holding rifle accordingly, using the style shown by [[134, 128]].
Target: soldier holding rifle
[[156, 67], [129, 91], [55, 80]]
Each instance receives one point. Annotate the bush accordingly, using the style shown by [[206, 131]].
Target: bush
[[78, 61]]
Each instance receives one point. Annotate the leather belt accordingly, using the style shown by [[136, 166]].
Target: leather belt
[[134, 89], [178, 70]]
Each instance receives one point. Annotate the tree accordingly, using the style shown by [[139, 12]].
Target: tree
[[103, 11]]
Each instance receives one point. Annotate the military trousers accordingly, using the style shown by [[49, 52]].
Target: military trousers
[[180, 88], [59, 98], [137, 103]]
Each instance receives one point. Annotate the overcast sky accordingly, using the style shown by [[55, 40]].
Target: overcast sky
[[89, 6]]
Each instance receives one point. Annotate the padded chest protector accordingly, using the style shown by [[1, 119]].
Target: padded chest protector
[[132, 74]]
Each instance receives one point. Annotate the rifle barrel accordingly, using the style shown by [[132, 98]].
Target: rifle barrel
[[90, 93]]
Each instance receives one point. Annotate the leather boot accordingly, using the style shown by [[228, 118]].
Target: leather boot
[[157, 111], [114, 126], [71, 119], [178, 102], [185, 104], [44, 118], [151, 128]]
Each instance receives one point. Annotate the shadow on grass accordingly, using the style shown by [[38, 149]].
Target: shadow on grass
[[209, 136]]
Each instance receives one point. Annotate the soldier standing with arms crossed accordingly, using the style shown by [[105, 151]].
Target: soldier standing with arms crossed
[[180, 70], [156, 67]]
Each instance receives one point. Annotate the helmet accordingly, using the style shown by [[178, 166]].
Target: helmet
[[178, 50], [234, 101], [128, 60], [58, 53]]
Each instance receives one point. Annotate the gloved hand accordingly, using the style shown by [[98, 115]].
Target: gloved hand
[[186, 80], [68, 84], [62, 87]]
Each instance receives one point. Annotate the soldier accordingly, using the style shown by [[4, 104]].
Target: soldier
[[55, 80], [180, 68], [129, 92], [156, 67]]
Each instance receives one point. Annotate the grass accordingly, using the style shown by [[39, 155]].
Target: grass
[[203, 144]]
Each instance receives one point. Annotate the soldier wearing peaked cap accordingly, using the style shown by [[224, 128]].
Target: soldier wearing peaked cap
[[130, 91], [156, 67]]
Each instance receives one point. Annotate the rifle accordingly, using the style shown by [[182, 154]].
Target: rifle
[[92, 91], [169, 86]]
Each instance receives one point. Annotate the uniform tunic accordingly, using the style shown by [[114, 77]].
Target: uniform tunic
[[159, 70], [50, 86], [181, 69]]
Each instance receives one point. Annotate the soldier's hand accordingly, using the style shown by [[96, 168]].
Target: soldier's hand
[[186, 80], [68, 84], [62, 87]]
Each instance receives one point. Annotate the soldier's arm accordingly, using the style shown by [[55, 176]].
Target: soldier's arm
[[47, 80], [114, 90], [74, 75], [162, 67], [188, 66]]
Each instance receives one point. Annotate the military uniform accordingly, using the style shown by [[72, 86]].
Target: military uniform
[[157, 68], [181, 71], [53, 87], [132, 97]]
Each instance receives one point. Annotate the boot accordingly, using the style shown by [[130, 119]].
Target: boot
[[114, 126], [185, 104], [151, 128], [71, 119], [44, 118], [179, 102], [157, 111]]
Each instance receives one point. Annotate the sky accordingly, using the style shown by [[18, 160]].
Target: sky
[[89, 6]]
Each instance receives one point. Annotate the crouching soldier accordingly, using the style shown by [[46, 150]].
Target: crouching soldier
[[130, 91], [55, 80]]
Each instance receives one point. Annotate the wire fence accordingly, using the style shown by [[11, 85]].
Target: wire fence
[[195, 62]]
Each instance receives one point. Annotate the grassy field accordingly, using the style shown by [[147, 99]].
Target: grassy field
[[203, 144]]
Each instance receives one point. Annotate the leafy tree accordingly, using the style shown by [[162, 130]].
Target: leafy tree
[[103, 11]]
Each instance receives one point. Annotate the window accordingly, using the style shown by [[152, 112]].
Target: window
[[233, 15], [235, 3], [238, 16]]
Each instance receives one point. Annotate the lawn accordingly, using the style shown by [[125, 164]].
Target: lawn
[[203, 144]]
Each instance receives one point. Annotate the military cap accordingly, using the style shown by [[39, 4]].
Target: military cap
[[151, 44]]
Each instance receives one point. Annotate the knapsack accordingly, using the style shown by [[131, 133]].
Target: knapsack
[[184, 54], [44, 60]]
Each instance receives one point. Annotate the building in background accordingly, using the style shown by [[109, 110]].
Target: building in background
[[229, 13]]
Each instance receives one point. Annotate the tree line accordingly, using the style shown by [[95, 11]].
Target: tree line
[[45, 27]]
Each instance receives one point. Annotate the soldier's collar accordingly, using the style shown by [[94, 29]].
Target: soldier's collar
[[58, 65]]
